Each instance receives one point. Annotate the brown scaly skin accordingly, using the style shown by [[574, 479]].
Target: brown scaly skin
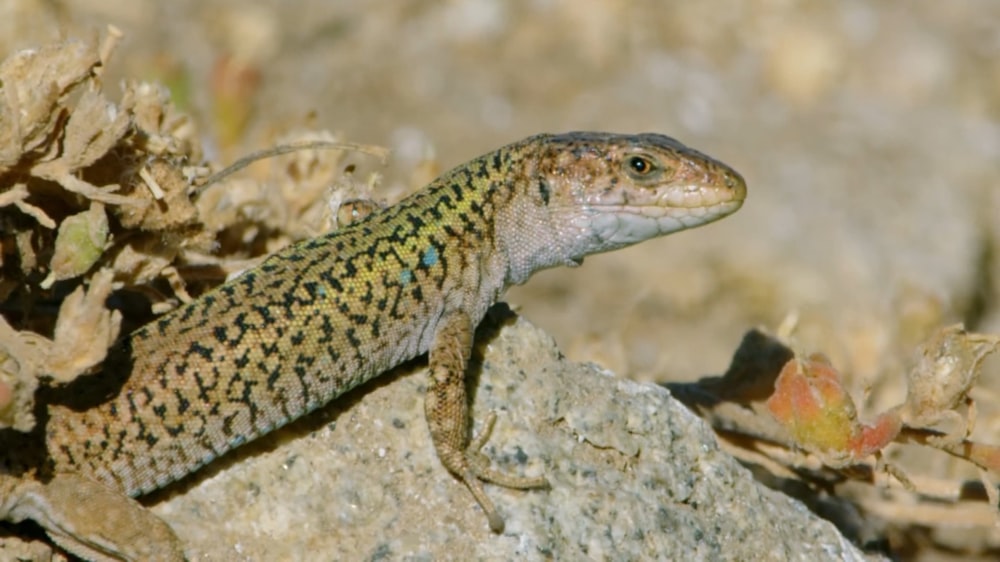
[[325, 315]]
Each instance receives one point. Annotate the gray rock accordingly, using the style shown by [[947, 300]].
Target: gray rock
[[634, 475]]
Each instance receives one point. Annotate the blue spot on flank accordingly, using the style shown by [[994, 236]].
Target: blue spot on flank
[[430, 257], [321, 291], [405, 276]]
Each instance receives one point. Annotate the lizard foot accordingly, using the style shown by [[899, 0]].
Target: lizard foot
[[478, 470]]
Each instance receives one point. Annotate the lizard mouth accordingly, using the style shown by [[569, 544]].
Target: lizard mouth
[[615, 226], [686, 217]]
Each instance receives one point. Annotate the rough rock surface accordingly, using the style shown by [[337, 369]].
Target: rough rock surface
[[633, 475]]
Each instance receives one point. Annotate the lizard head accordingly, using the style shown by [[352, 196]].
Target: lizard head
[[605, 191]]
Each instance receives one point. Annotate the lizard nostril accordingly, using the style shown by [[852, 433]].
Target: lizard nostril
[[733, 181]]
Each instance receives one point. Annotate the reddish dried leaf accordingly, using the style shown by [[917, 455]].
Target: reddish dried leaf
[[810, 401]]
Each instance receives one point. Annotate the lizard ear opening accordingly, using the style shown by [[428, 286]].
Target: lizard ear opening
[[544, 191]]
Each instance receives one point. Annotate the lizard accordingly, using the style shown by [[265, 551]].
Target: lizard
[[327, 314]]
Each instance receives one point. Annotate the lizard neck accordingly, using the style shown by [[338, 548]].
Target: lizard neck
[[527, 237], [520, 233]]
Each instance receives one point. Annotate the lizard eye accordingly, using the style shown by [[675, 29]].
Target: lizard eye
[[639, 166]]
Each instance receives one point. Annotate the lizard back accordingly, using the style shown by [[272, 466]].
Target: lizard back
[[310, 323]]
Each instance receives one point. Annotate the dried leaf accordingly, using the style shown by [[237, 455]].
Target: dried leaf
[[164, 131], [81, 241], [23, 240], [142, 259], [16, 196], [35, 81], [810, 401], [94, 128], [84, 331], [946, 368], [166, 206], [234, 81], [21, 355]]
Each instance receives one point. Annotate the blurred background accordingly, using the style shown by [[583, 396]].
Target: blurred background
[[867, 132]]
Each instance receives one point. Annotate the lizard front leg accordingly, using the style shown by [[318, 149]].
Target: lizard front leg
[[446, 410], [89, 519]]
